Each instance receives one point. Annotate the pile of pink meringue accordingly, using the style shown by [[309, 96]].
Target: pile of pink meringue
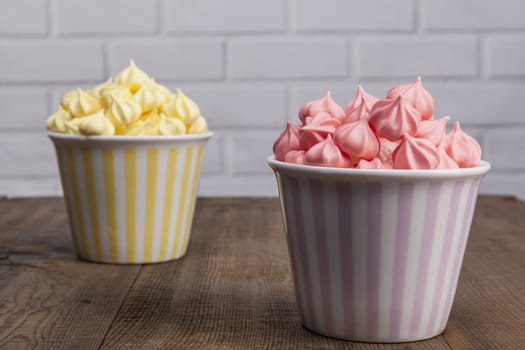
[[398, 132]]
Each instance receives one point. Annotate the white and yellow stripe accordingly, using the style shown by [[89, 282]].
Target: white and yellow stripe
[[132, 203]]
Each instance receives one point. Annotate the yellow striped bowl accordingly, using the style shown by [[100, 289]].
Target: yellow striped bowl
[[130, 199]]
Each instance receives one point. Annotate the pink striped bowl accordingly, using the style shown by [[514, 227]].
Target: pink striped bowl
[[130, 199], [376, 254]]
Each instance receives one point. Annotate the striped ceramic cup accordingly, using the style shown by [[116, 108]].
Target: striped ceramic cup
[[376, 254], [130, 199]]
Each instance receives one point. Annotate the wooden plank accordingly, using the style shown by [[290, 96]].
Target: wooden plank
[[489, 309], [48, 298], [233, 290]]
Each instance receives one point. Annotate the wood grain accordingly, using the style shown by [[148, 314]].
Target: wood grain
[[48, 298], [489, 309], [233, 289]]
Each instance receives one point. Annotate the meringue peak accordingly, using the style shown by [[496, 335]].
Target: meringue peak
[[324, 104], [361, 96], [393, 118], [417, 95], [357, 139], [433, 129], [464, 149], [287, 141], [326, 153], [415, 153]]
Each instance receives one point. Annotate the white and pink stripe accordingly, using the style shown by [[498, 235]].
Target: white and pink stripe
[[376, 260]]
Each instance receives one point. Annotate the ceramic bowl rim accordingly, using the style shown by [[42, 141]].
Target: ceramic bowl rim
[[309, 170]]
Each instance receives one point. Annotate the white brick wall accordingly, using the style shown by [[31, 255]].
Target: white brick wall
[[251, 64]]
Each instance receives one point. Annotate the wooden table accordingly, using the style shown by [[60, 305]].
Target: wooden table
[[231, 291]]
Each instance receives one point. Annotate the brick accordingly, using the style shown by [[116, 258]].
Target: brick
[[172, 59], [106, 16], [27, 154], [472, 103], [23, 17], [55, 61], [210, 16], [260, 186], [426, 56], [212, 161], [480, 103], [30, 187], [506, 56], [512, 184], [504, 148], [473, 14], [23, 109], [341, 15], [282, 58], [239, 105], [250, 149]]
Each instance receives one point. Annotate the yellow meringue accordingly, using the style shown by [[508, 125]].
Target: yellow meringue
[[125, 111], [82, 104], [95, 92], [131, 104], [146, 98], [151, 124], [132, 77], [108, 92], [198, 126], [182, 107], [67, 98], [138, 127], [56, 121], [171, 126], [161, 92], [72, 126], [96, 124]]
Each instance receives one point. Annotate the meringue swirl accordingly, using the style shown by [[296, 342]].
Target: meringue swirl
[[287, 141], [462, 148], [418, 97], [393, 118], [326, 153], [361, 97], [414, 153], [132, 104], [398, 132], [96, 124], [325, 104], [357, 139]]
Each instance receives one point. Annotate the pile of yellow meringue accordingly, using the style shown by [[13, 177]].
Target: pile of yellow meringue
[[131, 104]]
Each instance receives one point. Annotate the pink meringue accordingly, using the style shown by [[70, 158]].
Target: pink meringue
[[445, 162], [358, 113], [433, 129], [464, 149], [414, 153], [361, 96], [304, 112], [324, 104], [386, 149], [375, 163], [327, 154], [418, 97], [357, 139], [296, 157], [393, 118], [287, 141], [316, 129], [394, 133]]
